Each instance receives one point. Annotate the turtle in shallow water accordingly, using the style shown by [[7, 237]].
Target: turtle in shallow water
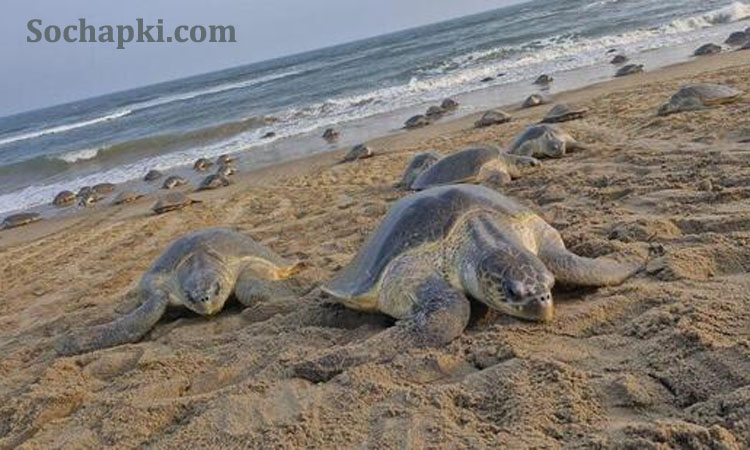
[[202, 165], [544, 80], [17, 220], [224, 160], [542, 141], [172, 202], [64, 198], [88, 198], [630, 69], [173, 182], [198, 271], [152, 175], [619, 59], [699, 96], [360, 151], [449, 104], [707, 49], [485, 165], [126, 197], [564, 112], [417, 165], [103, 188], [436, 249], [737, 38], [214, 181], [330, 135]]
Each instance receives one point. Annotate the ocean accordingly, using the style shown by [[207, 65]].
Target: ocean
[[365, 89]]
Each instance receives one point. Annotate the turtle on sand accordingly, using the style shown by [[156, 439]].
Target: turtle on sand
[[173, 182], [359, 151], [737, 38], [17, 220], [534, 100], [225, 171], [543, 80], [103, 188], [436, 249], [707, 49], [152, 175], [418, 121], [202, 164], [449, 104], [126, 197], [542, 141], [198, 271], [699, 96], [484, 165], [172, 202], [64, 198], [418, 164], [492, 117], [630, 69], [564, 112], [214, 181]]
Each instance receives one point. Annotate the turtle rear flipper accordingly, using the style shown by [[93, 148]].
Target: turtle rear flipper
[[128, 329], [569, 268]]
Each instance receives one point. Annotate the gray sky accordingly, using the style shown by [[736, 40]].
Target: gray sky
[[34, 75]]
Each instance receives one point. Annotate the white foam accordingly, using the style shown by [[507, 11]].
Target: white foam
[[78, 155], [67, 127]]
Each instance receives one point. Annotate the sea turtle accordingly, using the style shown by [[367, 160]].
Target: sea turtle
[[492, 117], [64, 198], [172, 202], [737, 38], [225, 171], [543, 80], [707, 49], [630, 69], [103, 188], [417, 121], [435, 112], [699, 96], [214, 181], [224, 160], [330, 135], [563, 112], [173, 182], [198, 271], [88, 198], [152, 175], [534, 100], [17, 220], [359, 151], [269, 135], [418, 164], [434, 250], [83, 191], [619, 59], [475, 165], [542, 141], [449, 104], [126, 197], [202, 164]]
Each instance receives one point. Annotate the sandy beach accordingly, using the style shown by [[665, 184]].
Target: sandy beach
[[662, 361]]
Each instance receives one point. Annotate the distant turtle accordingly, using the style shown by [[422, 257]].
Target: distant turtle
[[225, 171], [534, 100], [103, 188], [474, 165], [699, 96], [543, 80], [173, 182], [435, 112], [417, 121], [619, 59], [418, 164], [126, 197], [152, 175], [487, 79], [88, 198], [433, 251], [360, 151], [224, 160], [172, 202], [214, 181], [198, 271], [630, 69], [64, 198], [736, 39], [83, 191], [542, 141], [449, 104], [707, 49], [492, 117], [269, 135], [564, 112], [202, 165], [330, 135], [17, 220]]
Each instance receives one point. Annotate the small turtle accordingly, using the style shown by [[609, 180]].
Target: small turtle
[[449, 104], [542, 141], [202, 164], [543, 80], [474, 165], [64, 198], [172, 202], [707, 49], [225, 171], [418, 164], [330, 135], [436, 249], [152, 175], [173, 182], [214, 181], [83, 191], [630, 69], [417, 121], [126, 197], [198, 271], [534, 100], [487, 79], [434, 112], [699, 96], [619, 59], [88, 198], [103, 188], [269, 135], [564, 112], [492, 117], [17, 220], [360, 151], [224, 160], [736, 39]]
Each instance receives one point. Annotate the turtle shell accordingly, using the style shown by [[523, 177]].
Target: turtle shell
[[171, 202], [21, 219], [126, 197], [460, 167], [563, 112]]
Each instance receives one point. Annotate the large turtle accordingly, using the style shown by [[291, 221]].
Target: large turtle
[[563, 112], [474, 165], [198, 271], [172, 202], [435, 249], [418, 164], [699, 96], [542, 141], [21, 219]]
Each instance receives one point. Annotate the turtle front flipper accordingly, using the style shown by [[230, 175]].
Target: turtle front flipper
[[440, 314], [127, 329], [569, 268]]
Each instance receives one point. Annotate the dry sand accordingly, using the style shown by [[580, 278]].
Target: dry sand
[[662, 361]]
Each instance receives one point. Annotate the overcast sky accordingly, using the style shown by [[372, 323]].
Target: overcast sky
[[35, 75]]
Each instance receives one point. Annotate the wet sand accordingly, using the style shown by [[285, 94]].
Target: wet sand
[[662, 361]]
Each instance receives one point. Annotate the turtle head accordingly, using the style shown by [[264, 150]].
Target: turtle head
[[516, 283], [204, 286]]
